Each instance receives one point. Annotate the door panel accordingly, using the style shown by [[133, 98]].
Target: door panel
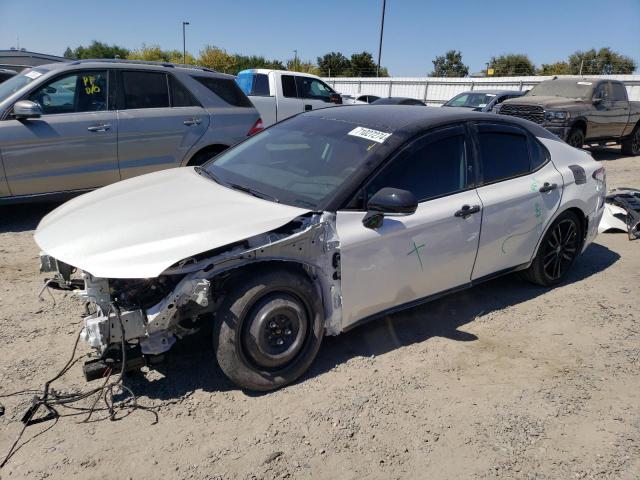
[[157, 138], [515, 215], [407, 258], [72, 146], [56, 153]]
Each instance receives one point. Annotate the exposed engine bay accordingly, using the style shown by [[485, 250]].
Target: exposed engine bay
[[149, 315]]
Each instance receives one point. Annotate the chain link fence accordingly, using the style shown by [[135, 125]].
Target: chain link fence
[[436, 91]]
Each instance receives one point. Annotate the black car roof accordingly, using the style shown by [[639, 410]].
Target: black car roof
[[411, 120]]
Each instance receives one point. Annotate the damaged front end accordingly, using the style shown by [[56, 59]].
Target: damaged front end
[[147, 316]]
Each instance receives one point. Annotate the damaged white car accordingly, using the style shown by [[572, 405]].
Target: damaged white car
[[314, 226]]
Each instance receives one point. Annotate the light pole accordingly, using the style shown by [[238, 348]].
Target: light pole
[[295, 59], [184, 43], [384, 4]]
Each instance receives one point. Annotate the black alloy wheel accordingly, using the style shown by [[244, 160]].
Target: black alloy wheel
[[560, 248]]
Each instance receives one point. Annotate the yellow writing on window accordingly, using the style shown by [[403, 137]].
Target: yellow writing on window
[[90, 85]]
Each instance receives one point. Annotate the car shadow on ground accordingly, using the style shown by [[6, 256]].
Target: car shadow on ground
[[605, 154], [24, 217], [191, 364]]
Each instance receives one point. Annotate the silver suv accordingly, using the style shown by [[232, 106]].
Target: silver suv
[[67, 128]]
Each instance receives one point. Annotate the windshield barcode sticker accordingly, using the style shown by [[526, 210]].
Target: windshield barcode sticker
[[33, 75], [369, 134]]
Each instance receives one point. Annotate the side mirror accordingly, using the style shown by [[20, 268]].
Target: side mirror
[[597, 100], [26, 109], [335, 98], [390, 202]]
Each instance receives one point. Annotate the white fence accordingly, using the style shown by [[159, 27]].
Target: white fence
[[435, 91]]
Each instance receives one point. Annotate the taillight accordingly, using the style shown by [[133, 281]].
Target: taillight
[[257, 127]]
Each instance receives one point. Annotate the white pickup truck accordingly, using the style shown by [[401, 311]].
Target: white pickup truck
[[279, 94]]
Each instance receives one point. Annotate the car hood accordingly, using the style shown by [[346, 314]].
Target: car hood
[[139, 227], [545, 101]]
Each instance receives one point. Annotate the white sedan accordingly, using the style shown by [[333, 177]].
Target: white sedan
[[316, 225]]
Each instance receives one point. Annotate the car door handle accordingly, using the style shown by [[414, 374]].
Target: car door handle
[[99, 128], [547, 187], [308, 107], [192, 121], [467, 210]]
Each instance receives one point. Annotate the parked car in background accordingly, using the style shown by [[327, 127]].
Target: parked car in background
[[398, 101], [71, 127], [280, 94], [316, 225], [6, 74], [482, 100], [581, 111], [367, 98]]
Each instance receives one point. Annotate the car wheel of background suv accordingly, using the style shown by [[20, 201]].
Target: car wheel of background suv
[[576, 137], [631, 144], [269, 328]]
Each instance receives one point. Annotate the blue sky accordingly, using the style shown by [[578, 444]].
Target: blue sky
[[415, 30]]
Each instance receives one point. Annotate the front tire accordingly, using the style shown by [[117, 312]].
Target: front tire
[[631, 144], [269, 329], [576, 138], [559, 248]]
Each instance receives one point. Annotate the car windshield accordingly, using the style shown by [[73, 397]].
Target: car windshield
[[11, 86], [471, 100], [563, 88], [300, 162]]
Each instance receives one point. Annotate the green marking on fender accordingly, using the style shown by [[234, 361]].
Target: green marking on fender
[[416, 250]]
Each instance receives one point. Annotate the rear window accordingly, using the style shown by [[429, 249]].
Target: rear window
[[256, 84], [227, 89], [145, 90]]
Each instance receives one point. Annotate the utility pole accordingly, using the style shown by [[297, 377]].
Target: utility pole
[[384, 4], [184, 43], [295, 59]]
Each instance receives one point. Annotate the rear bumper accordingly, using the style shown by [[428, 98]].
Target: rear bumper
[[593, 220]]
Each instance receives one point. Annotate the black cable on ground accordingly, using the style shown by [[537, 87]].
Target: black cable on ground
[[50, 399]]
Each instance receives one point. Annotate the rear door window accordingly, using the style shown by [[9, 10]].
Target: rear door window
[[84, 91], [145, 90], [289, 86], [226, 89], [504, 152]]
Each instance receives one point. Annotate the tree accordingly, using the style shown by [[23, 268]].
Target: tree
[[557, 68], [512, 65], [304, 66], [97, 50], [153, 53], [333, 64], [362, 65], [218, 59], [449, 65], [602, 62]]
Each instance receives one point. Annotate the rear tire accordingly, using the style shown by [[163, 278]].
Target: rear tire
[[559, 248], [631, 144], [269, 329], [576, 137]]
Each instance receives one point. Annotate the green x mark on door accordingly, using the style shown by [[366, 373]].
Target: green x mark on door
[[416, 250]]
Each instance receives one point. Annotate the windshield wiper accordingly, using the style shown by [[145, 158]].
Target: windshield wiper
[[253, 191], [208, 174]]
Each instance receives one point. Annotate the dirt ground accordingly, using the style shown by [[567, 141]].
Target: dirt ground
[[505, 380]]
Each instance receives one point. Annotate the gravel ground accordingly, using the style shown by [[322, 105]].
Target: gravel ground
[[505, 380]]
